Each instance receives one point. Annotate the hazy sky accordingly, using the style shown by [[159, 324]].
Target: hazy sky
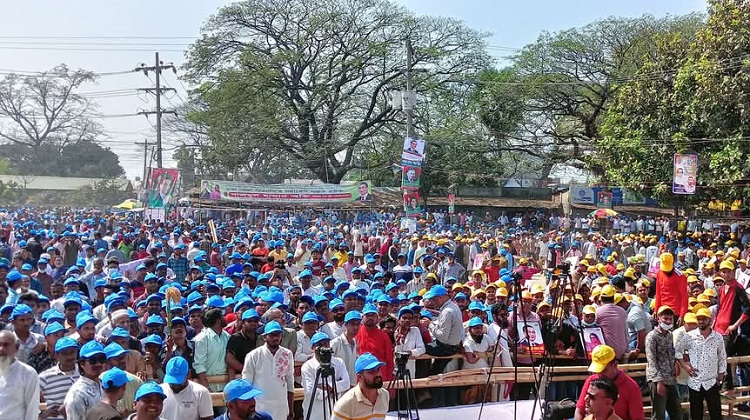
[[112, 36]]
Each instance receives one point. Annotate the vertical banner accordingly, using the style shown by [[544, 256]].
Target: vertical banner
[[413, 153], [411, 202], [163, 188], [451, 204], [604, 199], [412, 157], [410, 176], [685, 173]]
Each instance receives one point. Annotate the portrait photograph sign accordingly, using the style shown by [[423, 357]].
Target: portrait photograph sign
[[411, 202], [591, 337], [413, 150], [685, 174], [410, 176], [530, 338]]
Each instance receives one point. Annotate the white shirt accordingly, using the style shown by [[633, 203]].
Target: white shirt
[[495, 333], [274, 374], [192, 403], [707, 356], [471, 346], [19, 393], [309, 370], [84, 394], [346, 352], [304, 347], [333, 329], [412, 344]]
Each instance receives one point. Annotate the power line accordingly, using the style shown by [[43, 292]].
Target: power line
[[158, 91]]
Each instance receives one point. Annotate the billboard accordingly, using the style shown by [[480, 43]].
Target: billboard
[[451, 204], [163, 188], [685, 173], [411, 202], [287, 193], [410, 176], [413, 151]]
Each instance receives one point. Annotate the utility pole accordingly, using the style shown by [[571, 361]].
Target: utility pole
[[145, 158], [409, 97], [158, 90]]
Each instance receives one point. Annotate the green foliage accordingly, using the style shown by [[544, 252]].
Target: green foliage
[[305, 86], [81, 159], [104, 193], [690, 96]]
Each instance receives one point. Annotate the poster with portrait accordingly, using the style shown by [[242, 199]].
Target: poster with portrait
[[163, 188], [685, 173], [451, 204], [530, 338], [413, 150], [410, 176], [412, 204], [591, 337]]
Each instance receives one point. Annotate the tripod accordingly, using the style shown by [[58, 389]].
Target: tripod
[[402, 377], [325, 380]]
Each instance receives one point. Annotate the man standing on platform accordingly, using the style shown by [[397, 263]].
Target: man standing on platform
[[271, 368], [368, 400]]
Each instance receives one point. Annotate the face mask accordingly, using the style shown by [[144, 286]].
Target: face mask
[[588, 324], [665, 327]]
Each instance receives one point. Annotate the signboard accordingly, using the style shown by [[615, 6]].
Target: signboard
[[451, 204], [604, 200], [579, 195], [620, 196], [410, 176], [163, 188], [289, 193], [409, 224], [413, 153], [530, 337], [411, 202], [685, 174]]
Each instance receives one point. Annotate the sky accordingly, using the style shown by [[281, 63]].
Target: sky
[[117, 36]]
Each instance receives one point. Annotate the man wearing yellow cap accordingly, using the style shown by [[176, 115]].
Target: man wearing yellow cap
[[613, 321], [671, 287], [629, 404], [660, 367], [702, 355], [733, 311], [689, 323]]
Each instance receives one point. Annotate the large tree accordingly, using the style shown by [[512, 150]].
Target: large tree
[[50, 129], [689, 97], [311, 81], [566, 82]]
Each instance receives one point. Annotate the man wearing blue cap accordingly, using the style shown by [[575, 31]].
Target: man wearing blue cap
[[149, 402], [23, 402], [239, 396], [367, 400], [86, 391], [186, 399], [55, 382], [345, 347], [113, 384], [271, 368], [210, 348], [320, 409], [447, 330]]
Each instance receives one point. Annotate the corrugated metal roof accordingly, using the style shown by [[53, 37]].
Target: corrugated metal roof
[[55, 183]]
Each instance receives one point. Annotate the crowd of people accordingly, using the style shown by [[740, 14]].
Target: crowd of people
[[107, 316]]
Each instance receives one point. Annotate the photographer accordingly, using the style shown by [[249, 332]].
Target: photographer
[[332, 366]]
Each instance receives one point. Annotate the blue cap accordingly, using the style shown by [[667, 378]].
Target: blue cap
[[405, 310], [239, 389], [114, 350], [114, 378], [352, 315], [153, 339], [319, 337], [475, 322], [391, 286], [155, 319], [52, 314], [369, 309], [176, 371], [27, 266], [149, 388], [216, 301], [272, 327], [426, 314], [366, 362], [65, 343], [91, 349], [250, 314], [120, 332], [83, 318], [13, 276], [435, 291], [476, 306], [53, 328], [335, 304], [310, 317], [305, 273], [20, 310], [178, 320]]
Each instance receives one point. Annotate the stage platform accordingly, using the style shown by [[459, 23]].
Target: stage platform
[[499, 410]]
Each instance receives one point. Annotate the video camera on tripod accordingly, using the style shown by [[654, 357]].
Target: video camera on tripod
[[324, 354], [401, 359]]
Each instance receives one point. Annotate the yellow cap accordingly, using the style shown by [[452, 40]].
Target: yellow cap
[[710, 292], [536, 289], [703, 312], [690, 318], [697, 307], [500, 283], [578, 297], [432, 276], [492, 285], [526, 295], [608, 291], [457, 286], [692, 279], [595, 291], [542, 304], [589, 310], [646, 283], [618, 297], [601, 356], [478, 292], [620, 266], [666, 262], [602, 281], [610, 258], [591, 269], [693, 300], [703, 298], [689, 271], [664, 308], [503, 292], [726, 264]]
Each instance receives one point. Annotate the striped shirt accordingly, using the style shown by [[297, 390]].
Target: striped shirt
[[355, 406], [54, 384], [83, 395]]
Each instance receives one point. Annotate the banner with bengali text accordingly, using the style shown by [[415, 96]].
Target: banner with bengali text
[[287, 193]]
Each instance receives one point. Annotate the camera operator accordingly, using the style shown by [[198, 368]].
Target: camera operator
[[333, 367]]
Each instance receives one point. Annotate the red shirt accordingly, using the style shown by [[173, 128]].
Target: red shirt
[[671, 290], [493, 273], [629, 405], [377, 342], [724, 315]]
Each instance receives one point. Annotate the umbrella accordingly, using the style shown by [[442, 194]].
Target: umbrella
[[128, 204], [603, 213]]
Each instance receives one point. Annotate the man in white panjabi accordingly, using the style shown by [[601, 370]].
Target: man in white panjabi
[[19, 383], [270, 368], [318, 396]]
